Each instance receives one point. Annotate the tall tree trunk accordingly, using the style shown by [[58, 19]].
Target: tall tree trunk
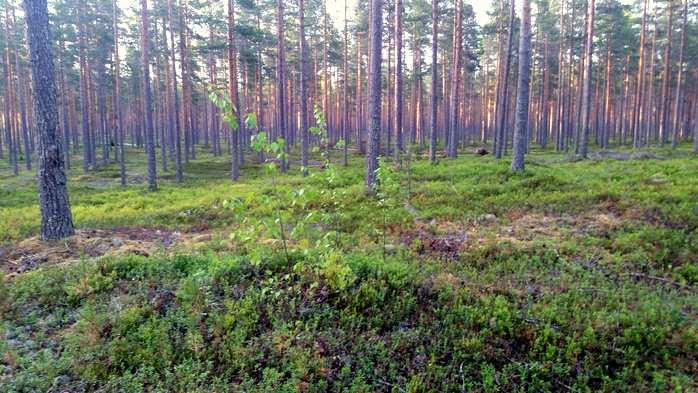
[[374, 102], [455, 80], [84, 96], [501, 139], [280, 78], [303, 87], [397, 121], [586, 94], [175, 96], [521, 125], [233, 90], [434, 78], [56, 217], [147, 99], [345, 76], [679, 79], [637, 106], [118, 122], [666, 100]]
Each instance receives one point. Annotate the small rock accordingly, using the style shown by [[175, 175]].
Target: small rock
[[487, 218], [481, 151], [117, 242]]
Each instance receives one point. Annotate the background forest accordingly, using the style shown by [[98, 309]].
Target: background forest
[[374, 196]]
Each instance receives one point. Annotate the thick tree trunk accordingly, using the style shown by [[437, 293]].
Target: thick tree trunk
[[56, 217], [374, 102], [523, 89]]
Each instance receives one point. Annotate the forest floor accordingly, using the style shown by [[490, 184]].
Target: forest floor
[[460, 276]]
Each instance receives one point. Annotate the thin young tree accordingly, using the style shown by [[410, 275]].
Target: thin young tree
[[147, 98], [56, 217], [523, 89], [374, 101]]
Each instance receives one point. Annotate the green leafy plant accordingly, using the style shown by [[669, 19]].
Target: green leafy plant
[[275, 149]]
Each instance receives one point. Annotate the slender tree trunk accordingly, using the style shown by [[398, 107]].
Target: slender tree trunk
[[637, 106], [666, 100], [521, 125], [280, 78], [455, 81], [175, 96], [397, 121], [434, 78], [374, 102], [586, 94], [345, 75], [303, 87], [501, 139], [233, 90], [56, 217], [679, 79], [147, 99], [84, 96], [118, 122]]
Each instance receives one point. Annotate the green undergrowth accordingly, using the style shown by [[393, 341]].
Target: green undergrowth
[[518, 320], [575, 276]]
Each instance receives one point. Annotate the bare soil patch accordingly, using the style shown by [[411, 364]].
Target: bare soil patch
[[33, 253], [447, 240]]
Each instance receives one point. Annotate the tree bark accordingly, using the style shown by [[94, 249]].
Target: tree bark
[[56, 217], [233, 91], [303, 87], [434, 78], [679, 80], [147, 98], [521, 125], [586, 93], [397, 121], [374, 102], [455, 80], [118, 121]]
